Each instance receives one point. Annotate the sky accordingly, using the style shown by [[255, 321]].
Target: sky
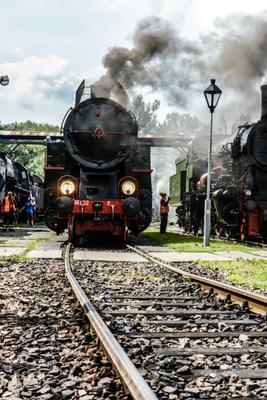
[[48, 47]]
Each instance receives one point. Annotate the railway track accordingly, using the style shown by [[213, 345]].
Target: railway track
[[169, 339]]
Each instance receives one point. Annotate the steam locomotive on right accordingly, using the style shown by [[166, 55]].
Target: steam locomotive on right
[[238, 182]]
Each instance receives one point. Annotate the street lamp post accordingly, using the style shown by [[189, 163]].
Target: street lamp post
[[212, 96], [4, 80]]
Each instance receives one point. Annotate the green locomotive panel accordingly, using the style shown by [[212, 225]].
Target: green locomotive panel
[[178, 183], [188, 172], [175, 194]]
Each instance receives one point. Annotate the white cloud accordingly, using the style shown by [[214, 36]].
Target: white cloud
[[36, 80], [17, 51], [79, 33]]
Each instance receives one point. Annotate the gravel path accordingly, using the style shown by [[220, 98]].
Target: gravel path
[[46, 348]]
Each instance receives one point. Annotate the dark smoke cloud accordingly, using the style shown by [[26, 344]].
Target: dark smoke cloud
[[235, 53], [151, 62]]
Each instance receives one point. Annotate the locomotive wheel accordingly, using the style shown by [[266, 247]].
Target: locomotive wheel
[[51, 219], [195, 229], [228, 234], [219, 231], [243, 236], [231, 233]]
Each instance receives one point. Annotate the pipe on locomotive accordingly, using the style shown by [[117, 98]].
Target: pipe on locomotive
[[263, 101]]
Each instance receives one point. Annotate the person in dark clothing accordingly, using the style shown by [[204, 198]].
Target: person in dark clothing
[[29, 208], [8, 210], [164, 211]]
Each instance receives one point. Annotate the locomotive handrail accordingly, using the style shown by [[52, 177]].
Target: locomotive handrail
[[93, 132], [163, 142], [29, 139], [64, 119]]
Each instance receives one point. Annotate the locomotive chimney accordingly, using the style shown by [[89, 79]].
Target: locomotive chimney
[[263, 101]]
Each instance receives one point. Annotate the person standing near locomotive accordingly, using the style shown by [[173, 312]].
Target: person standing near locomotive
[[8, 210], [29, 208], [164, 211]]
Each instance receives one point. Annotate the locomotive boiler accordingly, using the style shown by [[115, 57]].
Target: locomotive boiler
[[238, 183], [98, 178]]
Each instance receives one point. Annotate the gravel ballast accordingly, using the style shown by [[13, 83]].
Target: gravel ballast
[[180, 376], [46, 347]]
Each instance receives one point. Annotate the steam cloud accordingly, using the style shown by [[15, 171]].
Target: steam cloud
[[235, 53]]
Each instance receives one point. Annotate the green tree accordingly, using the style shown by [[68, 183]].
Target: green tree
[[175, 122], [29, 126], [184, 123], [145, 113], [31, 156]]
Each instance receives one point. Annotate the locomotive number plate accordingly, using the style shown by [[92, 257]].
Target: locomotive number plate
[[87, 202], [82, 202]]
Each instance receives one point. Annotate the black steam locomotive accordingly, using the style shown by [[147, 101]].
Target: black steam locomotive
[[98, 178], [16, 178], [238, 182]]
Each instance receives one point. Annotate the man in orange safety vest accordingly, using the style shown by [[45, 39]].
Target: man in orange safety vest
[[8, 210], [164, 211]]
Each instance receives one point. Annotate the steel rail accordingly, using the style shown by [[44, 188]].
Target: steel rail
[[256, 302], [131, 377]]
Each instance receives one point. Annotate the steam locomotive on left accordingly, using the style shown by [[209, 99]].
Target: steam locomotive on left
[[16, 178], [98, 177]]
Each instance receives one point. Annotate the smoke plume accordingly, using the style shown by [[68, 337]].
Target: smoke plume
[[235, 53], [151, 62]]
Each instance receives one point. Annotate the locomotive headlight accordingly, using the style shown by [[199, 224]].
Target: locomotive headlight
[[128, 187], [247, 192], [67, 187]]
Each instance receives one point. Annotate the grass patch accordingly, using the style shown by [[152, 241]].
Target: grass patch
[[188, 243], [242, 272], [3, 263]]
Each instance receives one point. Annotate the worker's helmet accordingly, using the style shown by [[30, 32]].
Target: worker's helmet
[[162, 193]]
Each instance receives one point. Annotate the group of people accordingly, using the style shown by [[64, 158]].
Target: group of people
[[9, 209]]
